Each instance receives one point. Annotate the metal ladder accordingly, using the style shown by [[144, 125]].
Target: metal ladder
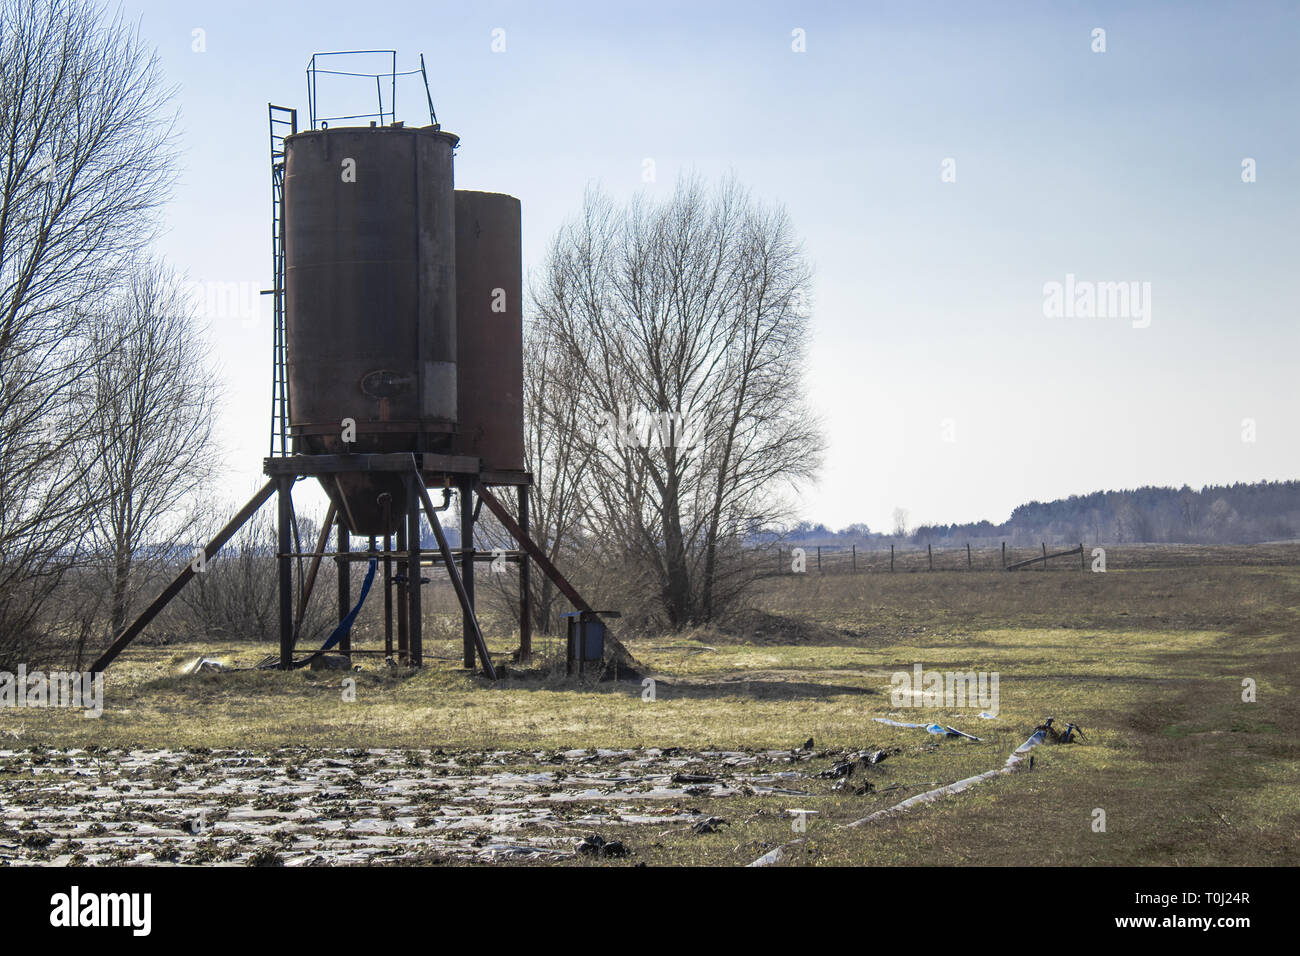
[[282, 122]]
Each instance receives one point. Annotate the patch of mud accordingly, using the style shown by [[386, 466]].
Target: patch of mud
[[309, 807]]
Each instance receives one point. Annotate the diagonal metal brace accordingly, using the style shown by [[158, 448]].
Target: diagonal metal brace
[[326, 527], [620, 654], [488, 670], [534, 552], [133, 629]]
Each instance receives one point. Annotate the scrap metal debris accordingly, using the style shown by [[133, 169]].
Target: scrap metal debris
[[859, 761], [1069, 735], [596, 845], [877, 756], [857, 789], [709, 825], [841, 769]]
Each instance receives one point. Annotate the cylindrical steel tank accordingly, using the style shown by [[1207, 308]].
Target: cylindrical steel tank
[[370, 299], [489, 329]]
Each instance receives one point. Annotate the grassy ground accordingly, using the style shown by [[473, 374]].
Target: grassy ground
[[1149, 661]]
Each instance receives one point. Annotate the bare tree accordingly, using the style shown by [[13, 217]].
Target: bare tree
[[85, 161], [154, 404], [552, 412], [688, 321]]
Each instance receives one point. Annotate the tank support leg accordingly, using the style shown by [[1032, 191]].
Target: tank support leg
[[386, 502], [345, 582], [403, 638], [284, 490], [414, 487], [469, 623]]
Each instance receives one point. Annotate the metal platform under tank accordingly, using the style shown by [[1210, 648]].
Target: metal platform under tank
[[416, 474]]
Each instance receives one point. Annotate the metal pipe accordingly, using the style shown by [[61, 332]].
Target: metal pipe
[[426, 556]]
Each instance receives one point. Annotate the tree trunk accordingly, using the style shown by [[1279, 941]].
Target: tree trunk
[[121, 588]]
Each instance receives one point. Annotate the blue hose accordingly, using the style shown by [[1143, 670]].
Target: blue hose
[[345, 625]]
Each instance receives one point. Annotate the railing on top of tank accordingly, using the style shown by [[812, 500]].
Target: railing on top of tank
[[384, 116]]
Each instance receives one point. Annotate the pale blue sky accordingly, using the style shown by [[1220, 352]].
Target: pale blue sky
[[1115, 166]]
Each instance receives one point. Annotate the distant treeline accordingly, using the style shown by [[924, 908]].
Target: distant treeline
[[1216, 514]]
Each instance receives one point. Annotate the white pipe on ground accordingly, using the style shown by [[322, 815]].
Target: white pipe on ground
[[772, 857]]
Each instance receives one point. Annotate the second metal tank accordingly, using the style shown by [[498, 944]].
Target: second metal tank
[[489, 319]]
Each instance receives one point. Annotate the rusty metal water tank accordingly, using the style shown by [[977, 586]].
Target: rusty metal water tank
[[370, 298], [489, 329]]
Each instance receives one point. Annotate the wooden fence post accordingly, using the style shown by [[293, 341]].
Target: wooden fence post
[[968, 564], [1083, 561], [1044, 555], [855, 557], [1004, 555], [819, 559], [930, 551], [891, 557]]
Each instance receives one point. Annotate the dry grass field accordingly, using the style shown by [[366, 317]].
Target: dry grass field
[[1149, 658]]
